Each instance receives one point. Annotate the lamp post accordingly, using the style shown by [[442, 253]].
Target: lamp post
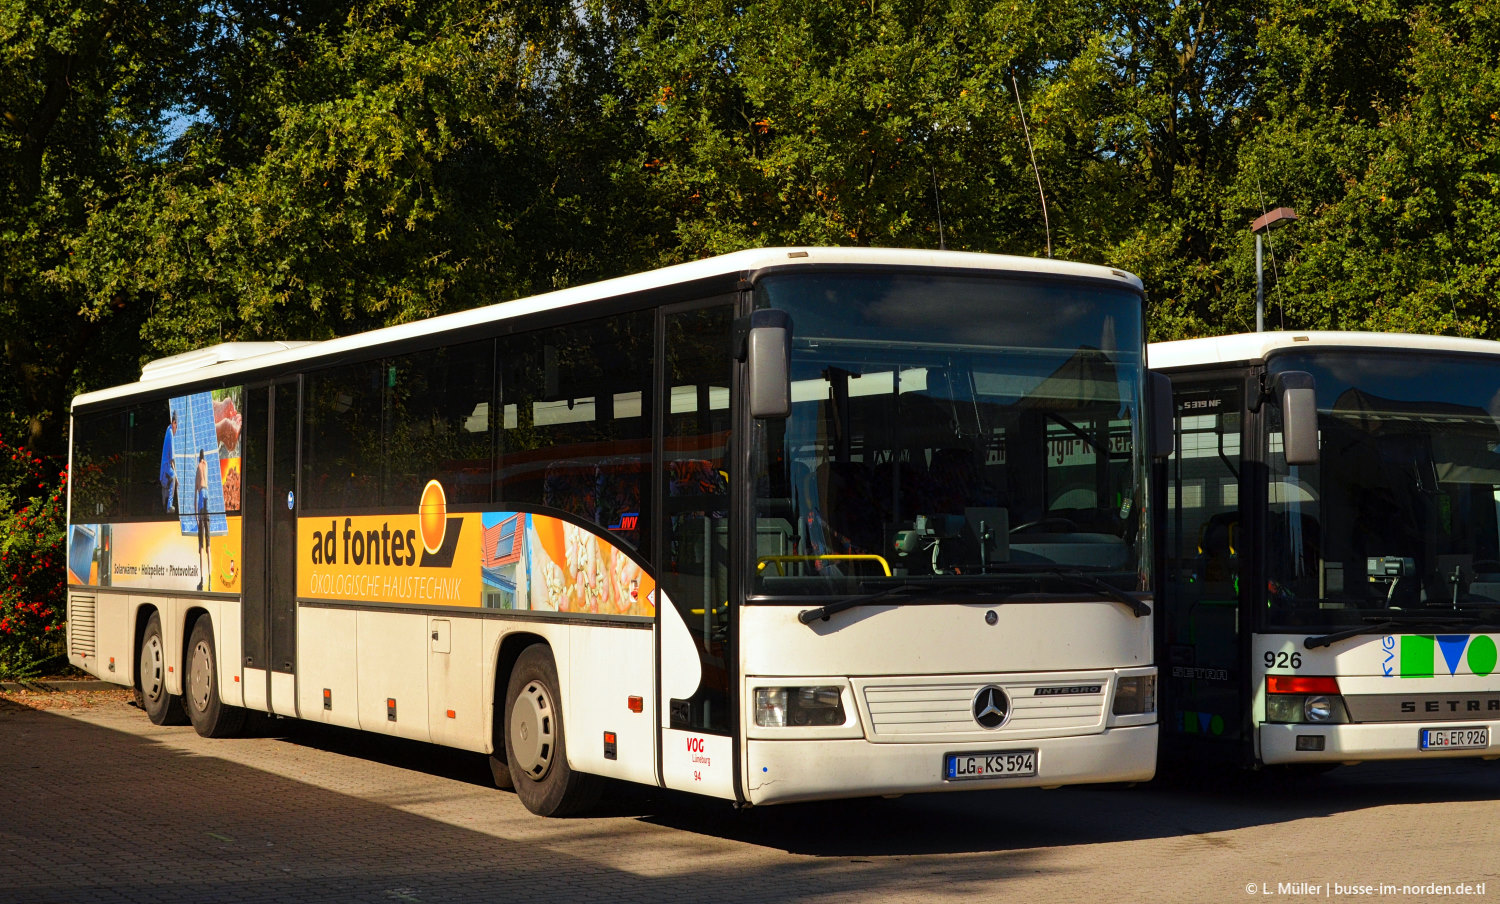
[[1261, 226]]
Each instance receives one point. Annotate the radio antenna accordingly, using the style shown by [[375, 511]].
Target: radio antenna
[[1046, 222]]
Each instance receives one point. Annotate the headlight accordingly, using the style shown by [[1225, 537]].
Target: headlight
[[1135, 695], [780, 707], [1305, 700]]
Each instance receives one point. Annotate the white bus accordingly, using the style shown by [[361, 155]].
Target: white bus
[[781, 525], [1331, 573]]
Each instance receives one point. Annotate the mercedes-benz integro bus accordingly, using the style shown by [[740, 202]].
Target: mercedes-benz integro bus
[[781, 525], [1331, 578]]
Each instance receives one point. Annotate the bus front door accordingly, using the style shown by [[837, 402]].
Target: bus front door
[[269, 609], [1203, 583]]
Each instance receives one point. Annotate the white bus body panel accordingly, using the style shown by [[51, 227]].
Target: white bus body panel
[[945, 639], [229, 648], [326, 660], [455, 673], [1369, 668], [392, 665], [608, 667], [110, 654]]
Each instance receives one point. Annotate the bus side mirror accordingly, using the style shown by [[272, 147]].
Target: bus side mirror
[[1299, 416], [1162, 435], [768, 357]]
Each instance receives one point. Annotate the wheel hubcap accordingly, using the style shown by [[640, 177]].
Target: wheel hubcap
[[201, 680], [532, 728], [151, 673]]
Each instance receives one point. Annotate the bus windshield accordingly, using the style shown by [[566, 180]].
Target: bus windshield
[[1398, 519], [948, 426]]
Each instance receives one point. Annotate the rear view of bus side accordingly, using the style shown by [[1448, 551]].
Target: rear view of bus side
[[1331, 570], [782, 525]]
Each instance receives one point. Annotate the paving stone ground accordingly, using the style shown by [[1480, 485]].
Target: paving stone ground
[[102, 806]]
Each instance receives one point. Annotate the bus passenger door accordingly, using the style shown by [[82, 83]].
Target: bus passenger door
[[269, 610], [694, 636], [1203, 582]]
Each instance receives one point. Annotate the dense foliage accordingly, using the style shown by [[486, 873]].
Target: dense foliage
[[174, 174]]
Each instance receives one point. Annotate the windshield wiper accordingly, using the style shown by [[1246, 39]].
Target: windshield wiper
[[988, 582], [1099, 585], [1378, 625], [808, 616]]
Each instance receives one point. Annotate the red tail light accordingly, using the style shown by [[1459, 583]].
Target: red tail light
[[1297, 684]]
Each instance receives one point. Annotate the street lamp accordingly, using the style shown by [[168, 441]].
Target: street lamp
[[1261, 226]]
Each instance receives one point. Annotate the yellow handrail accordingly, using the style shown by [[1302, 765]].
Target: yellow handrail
[[761, 563]]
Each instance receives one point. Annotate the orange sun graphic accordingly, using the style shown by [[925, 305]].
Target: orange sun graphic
[[434, 516]]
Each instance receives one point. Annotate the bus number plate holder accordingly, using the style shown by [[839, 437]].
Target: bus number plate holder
[[1455, 738], [962, 767]]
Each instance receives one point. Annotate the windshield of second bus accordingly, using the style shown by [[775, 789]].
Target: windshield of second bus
[[948, 427], [1400, 519]]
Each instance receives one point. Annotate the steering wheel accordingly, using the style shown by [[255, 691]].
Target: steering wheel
[[1055, 520]]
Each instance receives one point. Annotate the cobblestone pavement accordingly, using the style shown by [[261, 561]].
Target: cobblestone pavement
[[105, 807]]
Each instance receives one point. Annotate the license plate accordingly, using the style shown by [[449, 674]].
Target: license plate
[[958, 767], [1455, 738]]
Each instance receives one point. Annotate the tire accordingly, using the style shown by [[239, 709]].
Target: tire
[[500, 771], [535, 745], [161, 707], [211, 716]]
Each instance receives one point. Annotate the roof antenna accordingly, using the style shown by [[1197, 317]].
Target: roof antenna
[[937, 200], [1046, 223]]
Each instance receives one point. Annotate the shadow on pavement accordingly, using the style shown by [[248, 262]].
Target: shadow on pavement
[[1191, 803], [96, 814]]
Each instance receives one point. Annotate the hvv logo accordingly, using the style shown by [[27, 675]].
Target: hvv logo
[[1416, 655]]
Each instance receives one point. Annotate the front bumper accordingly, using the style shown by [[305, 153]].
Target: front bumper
[[784, 771], [1359, 742]]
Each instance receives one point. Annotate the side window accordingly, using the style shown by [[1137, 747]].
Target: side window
[[437, 423], [575, 421], [151, 471], [100, 472], [342, 464]]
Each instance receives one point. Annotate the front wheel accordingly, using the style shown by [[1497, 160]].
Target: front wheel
[[151, 694], [211, 717], [535, 750]]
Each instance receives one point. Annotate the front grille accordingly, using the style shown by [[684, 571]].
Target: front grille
[[945, 710]]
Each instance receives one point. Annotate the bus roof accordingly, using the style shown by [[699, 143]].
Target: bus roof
[[216, 361], [1254, 347]]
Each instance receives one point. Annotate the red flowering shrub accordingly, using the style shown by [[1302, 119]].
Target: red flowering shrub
[[33, 579]]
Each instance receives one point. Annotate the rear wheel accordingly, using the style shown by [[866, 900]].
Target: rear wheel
[[211, 717], [151, 694], [535, 749]]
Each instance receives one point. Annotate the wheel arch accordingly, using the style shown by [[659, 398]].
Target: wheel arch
[[142, 616], [512, 645]]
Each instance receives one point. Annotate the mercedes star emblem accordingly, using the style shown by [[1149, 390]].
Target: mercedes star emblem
[[991, 707]]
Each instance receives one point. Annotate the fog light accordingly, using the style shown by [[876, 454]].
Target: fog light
[[1309, 742], [1135, 695]]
